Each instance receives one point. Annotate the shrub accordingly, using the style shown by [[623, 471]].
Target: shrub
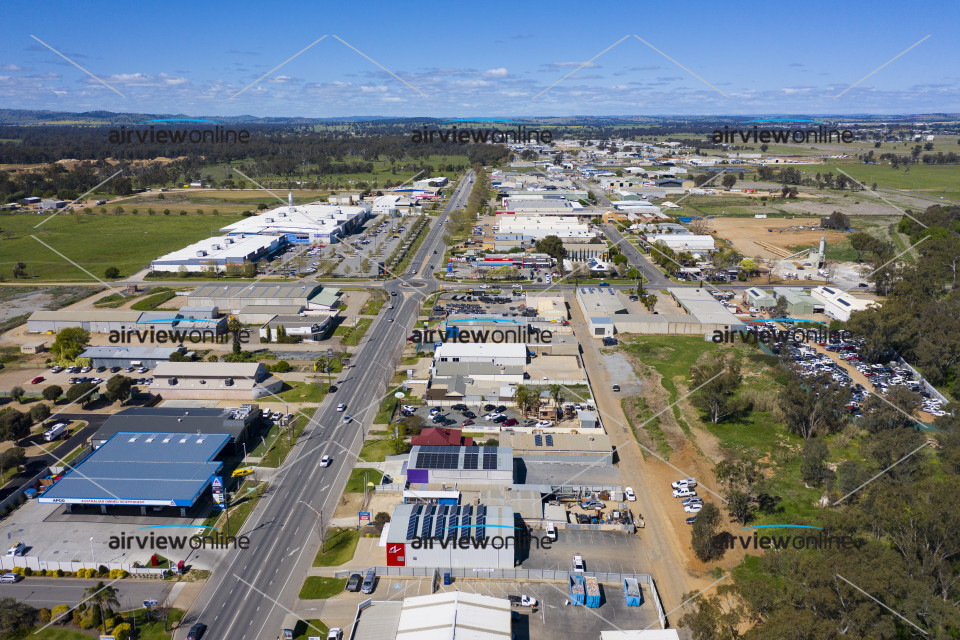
[[122, 574], [27, 571], [122, 631], [58, 611], [114, 574], [44, 615], [59, 573], [103, 571], [281, 367]]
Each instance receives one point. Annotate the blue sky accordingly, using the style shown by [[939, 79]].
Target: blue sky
[[493, 58]]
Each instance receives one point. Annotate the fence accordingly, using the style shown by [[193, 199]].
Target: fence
[[542, 575], [36, 564], [13, 499]]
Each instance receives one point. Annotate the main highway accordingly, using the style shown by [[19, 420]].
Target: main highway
[[251, 590]]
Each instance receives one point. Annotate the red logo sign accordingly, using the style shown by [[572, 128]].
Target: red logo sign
[[395, 555]]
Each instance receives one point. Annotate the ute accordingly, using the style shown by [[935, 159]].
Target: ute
[[522, 601]]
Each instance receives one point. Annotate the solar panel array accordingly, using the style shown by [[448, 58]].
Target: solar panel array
[[441, 521], [471, 460], [452, 522], [448, 457], [431, 460], [538, 440], [489, 460], [549, 440], [427, 522], [481, 520], [466, 516], [412, 525]]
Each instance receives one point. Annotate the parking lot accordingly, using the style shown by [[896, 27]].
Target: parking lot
[[39, 379], [374, 241], [456, 418], [602, 551]]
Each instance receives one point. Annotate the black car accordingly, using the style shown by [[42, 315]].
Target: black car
[[114, 369], [469, 414], [501, 409], [196, 631], [353, 584], [500, 419], [333, 388], [489, 407], [609, 342], [691, 519], [101, 369], [459, 407]]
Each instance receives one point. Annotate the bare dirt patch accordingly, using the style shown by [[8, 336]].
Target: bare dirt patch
[[745, 233]]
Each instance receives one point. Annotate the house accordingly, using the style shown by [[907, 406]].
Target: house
[[433, 436]]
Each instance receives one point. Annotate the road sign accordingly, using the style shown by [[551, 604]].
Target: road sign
[[217, 489], [364, 516], [399, 395]]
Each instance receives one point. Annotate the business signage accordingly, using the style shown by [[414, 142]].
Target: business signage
[[396, 555], [108, 501], [364, 516], [217, 487]]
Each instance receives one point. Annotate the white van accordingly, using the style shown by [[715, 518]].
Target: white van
[[17, 549]]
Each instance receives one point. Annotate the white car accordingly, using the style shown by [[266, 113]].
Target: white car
[[335, 633], [544, 423], [341, 407], [408, 407], [551, 531], [688, 483], [578, 565], [684, 493], [325, 461], [693, 507], [491, 416], [631, 496]]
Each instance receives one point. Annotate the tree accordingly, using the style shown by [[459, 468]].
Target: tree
[[740, 477], [14, 425], [716, 378], [269, 336], [728, 181], [527, 398], [52, 392], [17, 393], [70, 343], [879, 415], [553, 247], [835, 220], [556, 395], [111, 273], [118, 388], [234, 327], [808, 411], [39, 412], [15, 617], [12, 458], [81, 392], [813, 469], [715, 617], [703, 536], [19, 270], [101, 595]]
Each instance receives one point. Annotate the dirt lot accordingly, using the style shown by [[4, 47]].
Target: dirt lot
[[744, 232]]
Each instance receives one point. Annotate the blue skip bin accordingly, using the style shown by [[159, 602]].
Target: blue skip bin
[[631, 589]]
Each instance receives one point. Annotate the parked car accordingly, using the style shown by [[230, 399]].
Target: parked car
[[551, 531], [616, 387], [466, 423], [10, 577], [686, 482], [522, 601], [590, 505], [683, 493], [335, 633], [37, 380], [542, 424], [459, 407], [56, 369], [196, 631], [631, 496], [691, 519], [693, 507], [578, 565], [511, 422], [687, 501]]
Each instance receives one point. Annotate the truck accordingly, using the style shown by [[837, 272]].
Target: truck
[[631, 590], [578, 564], [522, 601], [55, 431], [289, 626]]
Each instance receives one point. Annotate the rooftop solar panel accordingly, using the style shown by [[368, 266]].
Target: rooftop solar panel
[[452, 522], [465, 516], [489, 461], [537, 440], [441, 521], [471, 460], [549, 440]]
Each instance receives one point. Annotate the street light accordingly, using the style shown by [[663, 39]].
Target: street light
[[319, 523], [92, 554]]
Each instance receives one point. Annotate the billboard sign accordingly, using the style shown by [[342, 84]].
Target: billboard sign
[[216, 487], [364, 516]]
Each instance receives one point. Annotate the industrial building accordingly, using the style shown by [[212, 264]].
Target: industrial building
[[214, 381], [798, 301], [451, 536], [304, 224], [188, 324], [144, 356], [759, 298], [266, 298], [216, 254], [92, 321], [838, 304], [567, 228], [235, 422], [460, 465], [683, 241], [706, 309], [550, 306], [546, 446], [449, 615], [502, 354], [307, 328], [142, 469]]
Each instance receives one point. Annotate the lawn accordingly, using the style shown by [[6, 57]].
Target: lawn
[[95, 242], [352, 334], [356, 482], [280, 444], [308, 392], [376, 450], [311, 629], [321, 587], [339, 547], [157, 298], [243, 503]]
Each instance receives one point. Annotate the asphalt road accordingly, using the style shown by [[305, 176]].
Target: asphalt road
[[252, 590], [655, 278], [49, 592]]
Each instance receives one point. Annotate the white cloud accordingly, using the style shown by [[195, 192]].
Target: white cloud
[[500, 72]]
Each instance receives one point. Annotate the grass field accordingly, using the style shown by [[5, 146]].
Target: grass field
[[279, 443], [321, 587], [356, 482], [242, 504], [311, 629], [95, 242], [309, 392], [376, 450], [941, 180], [339, 547]]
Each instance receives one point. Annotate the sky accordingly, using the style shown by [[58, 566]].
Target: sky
[[492, 59]]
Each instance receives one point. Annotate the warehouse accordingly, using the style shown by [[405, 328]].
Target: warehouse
[[215, 254], [135, 356], [142, 469], [503, 354], [683, 241], [838, 304], [799, 303], [236, 422], [93, 321], [304, 224], [538, 227], [600, 302], [706, 309], [307, 328], [214, 381], [759, 298], [572, 446], [460, 465], [449, 615], [126, 324], [281, 298], [451, 536]]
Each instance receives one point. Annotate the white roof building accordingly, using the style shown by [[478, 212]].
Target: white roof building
[[539, 227], [838, 304], [502, 354], [454, 615], [683, 241], [310, 223], [216, 253]]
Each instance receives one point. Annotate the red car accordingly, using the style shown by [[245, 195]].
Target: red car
[[37, 380], [466, 423], [510, 422]]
